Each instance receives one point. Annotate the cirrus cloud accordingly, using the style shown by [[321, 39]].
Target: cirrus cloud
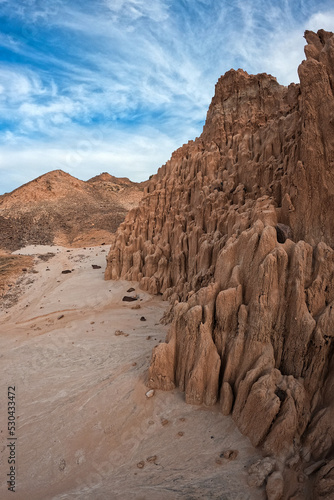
[[140, 73]]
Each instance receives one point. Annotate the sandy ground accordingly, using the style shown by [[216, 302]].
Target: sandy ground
[[85, 429]]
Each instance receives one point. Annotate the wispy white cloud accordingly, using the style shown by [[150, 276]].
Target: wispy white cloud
[[155, 10], [131, 67], [107, 150], [322, 20]]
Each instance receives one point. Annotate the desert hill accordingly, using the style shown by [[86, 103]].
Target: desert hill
[[58, 208], [236, 230]]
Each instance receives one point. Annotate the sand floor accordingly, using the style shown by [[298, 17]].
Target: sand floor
[[84, 426]]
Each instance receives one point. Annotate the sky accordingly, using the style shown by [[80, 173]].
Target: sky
[[92, 86]]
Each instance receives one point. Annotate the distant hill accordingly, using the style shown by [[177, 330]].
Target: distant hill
[[58, 208]]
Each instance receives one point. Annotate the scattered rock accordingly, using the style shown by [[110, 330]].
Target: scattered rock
[[141, 465], [180, 433], [129, 299], [152, 459], [95, 266], [260, 470], [143, 318], [229, 454], [62, 465], [275, 486], [120, 332], [164, 422], [61, 316], [148, 337], [130, 290], [150, 393], [66, 271]]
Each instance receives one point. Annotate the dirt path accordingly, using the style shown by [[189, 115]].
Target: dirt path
[[85, 429]]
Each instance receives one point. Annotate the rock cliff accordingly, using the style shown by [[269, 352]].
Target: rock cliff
[[236, 230], [57, 208]]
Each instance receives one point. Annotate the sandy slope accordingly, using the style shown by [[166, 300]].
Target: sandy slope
[[83, 420]]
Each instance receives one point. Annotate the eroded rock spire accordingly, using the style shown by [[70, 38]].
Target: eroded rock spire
[[236, 230]]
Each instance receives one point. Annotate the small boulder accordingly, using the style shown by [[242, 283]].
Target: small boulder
[[120, 332], [229, 454], [128, 299], [260, 470], [275, 486]]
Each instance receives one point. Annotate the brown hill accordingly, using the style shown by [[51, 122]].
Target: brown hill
[[237, 231], [58, 208]]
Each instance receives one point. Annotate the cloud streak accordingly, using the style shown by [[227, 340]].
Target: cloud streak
[[140, 73]]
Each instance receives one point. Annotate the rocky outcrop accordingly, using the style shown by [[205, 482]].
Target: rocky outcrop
[[236, 230]]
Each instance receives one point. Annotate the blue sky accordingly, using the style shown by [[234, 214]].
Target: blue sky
[[118, 85]]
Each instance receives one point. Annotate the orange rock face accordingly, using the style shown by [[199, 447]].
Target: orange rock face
[[237, 231]]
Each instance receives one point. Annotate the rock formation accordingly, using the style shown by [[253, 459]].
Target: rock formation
[[236, 230], [58, 208]]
